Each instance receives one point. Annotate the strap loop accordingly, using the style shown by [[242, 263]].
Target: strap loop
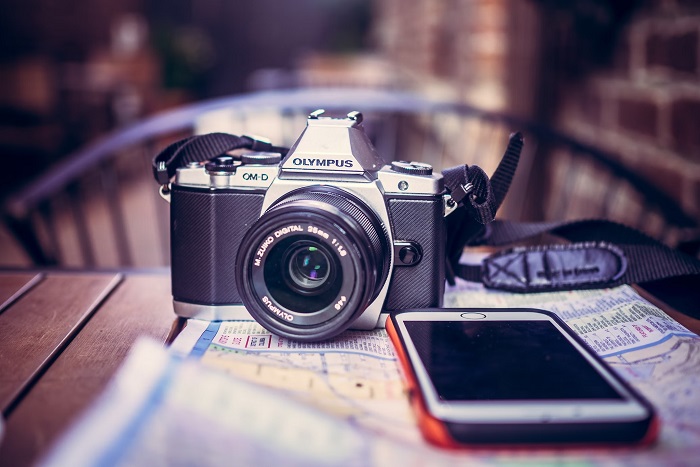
[[470, 187]]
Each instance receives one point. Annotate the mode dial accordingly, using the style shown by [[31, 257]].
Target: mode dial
[[412, 168]]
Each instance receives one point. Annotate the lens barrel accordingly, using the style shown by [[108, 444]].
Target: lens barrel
[[312, 263]]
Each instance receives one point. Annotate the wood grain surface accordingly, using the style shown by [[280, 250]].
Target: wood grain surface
[[141, 305], [12, 286], [40, 323]]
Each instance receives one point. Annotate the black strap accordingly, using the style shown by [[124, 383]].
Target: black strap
[[603, 254], [471, 188], [505, 171], [201, 148]]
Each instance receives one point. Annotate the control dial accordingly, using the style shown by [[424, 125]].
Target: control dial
[[261, 158]]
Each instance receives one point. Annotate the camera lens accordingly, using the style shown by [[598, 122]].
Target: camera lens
[[309, 268], [300, 274], [312, 263]]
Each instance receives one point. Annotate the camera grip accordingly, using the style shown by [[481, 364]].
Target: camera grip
[[420, 220]]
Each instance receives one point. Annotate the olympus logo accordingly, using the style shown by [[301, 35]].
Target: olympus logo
[[340, 163], [282, 314]]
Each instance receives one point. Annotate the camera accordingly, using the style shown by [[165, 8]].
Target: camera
[[323, 239]]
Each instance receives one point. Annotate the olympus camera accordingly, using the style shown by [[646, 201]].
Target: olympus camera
[[322, 240]]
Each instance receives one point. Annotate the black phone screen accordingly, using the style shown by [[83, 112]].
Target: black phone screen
[[505, 360]]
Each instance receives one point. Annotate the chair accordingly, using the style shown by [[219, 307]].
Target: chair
[[99, 206]]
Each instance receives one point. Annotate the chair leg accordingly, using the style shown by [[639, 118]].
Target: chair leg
[[25, 234]]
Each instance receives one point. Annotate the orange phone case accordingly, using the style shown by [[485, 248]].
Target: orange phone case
[[433, 429], [436, 432]]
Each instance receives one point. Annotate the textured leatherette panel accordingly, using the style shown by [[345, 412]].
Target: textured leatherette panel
[[206, 230]]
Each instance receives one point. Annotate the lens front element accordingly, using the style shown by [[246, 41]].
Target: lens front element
[[301, 273], [309, 268]]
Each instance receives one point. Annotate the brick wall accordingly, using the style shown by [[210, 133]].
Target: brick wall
[[645, 107], [462, 49], [626, 81]]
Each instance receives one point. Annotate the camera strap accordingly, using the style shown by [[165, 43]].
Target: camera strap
[[600, 254], [479, 197], [200, 148]]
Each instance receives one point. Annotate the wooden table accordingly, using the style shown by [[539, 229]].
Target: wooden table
[[62, 336]]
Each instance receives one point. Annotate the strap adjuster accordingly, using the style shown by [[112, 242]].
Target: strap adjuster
[[461, 191], [161, 173]]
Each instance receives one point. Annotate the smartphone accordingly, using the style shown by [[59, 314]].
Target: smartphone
[[484, 377]]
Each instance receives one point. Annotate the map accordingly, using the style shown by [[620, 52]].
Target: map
[[356, 376]]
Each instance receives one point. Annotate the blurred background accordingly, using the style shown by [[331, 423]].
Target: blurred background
[[619, 79]]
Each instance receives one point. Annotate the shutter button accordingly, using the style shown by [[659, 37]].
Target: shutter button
[[225, 164]]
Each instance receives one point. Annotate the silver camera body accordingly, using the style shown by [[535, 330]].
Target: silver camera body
[[325, 239]]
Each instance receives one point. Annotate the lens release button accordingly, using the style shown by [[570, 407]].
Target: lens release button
[[407, 253]]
